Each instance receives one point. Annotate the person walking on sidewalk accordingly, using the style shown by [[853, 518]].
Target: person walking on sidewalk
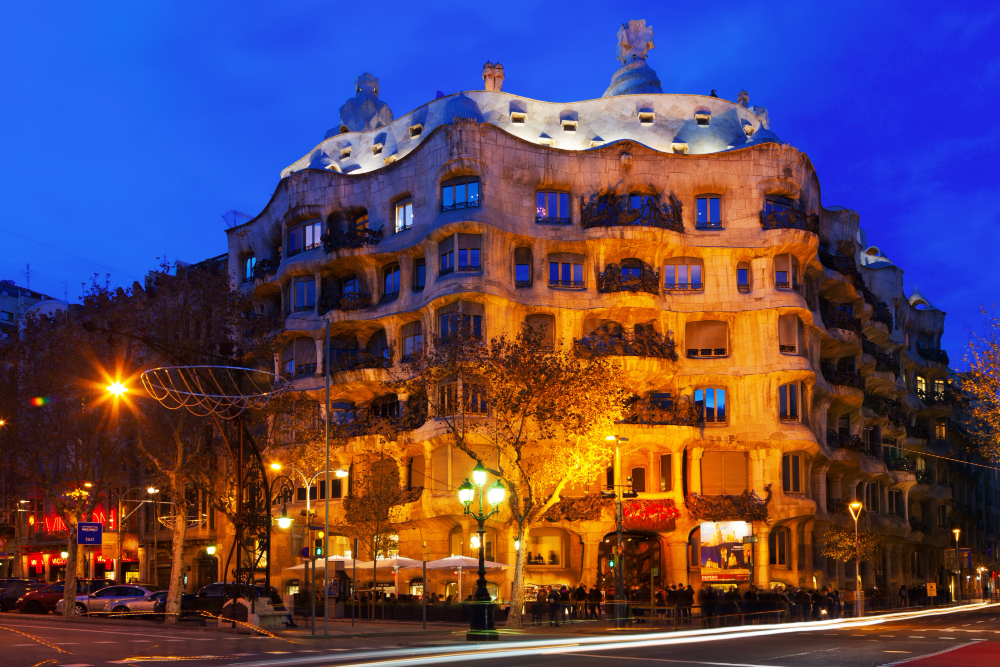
[[580, 602], [553, 606], [594, 603], [566, 604]]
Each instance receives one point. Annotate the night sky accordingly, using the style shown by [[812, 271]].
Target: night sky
[[130, 128]]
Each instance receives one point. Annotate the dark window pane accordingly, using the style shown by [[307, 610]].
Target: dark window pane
[[540, 209], [448, 196], [702, 210], [713, 210], [563, 205], [522, 273]]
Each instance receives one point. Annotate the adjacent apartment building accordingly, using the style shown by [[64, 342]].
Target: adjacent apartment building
[[779, 369]]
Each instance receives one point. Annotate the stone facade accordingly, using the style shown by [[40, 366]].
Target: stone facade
[[774, 303]]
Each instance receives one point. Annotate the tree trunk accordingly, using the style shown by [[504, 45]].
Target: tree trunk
[[514, 619], [176, 588], [73, 562]]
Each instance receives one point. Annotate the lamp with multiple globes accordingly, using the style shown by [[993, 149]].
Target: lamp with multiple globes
[[481, 625]]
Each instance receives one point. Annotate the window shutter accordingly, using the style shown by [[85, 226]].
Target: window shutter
[[522, 256], [412, 329], [473, 308], [666, 473], [781, 263], [707, 334], [639, 480], [735, 472], [712, 473], [439, 468], [468, 241], [566, 257], [788, 330], [305, 351], [447, 244]]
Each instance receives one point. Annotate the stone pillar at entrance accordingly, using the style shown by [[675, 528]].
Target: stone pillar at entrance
[[678, 562], [793, 565], [696, 453], [762, 557], [807, 545], [319, 354]]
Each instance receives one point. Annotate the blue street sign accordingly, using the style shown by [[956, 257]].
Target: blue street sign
[[305, 552], [89, 533]]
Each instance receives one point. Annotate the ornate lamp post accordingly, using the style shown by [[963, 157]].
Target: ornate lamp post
[[481, 626], [958, 562], [856, 508]]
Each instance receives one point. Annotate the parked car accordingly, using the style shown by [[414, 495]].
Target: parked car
[[155, 603], [110, 598], [44, 600], [210, 599], [12, 589]]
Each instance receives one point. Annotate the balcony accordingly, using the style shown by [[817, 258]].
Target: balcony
[[662, 411], [835, 318], [874, 403], [883, 314], [264, 267], [937, 356], [919, 525], [352, 360], [356, 238], [459, 205], [706, 352], [708, 225], [683, 287], [566, 284], [835, 440], [612, 280], [553, 221], [469, 268], [789, 219], [643, 343], [389, 296], [303, 370], [895, 412], [846, 266], [843, 378], [613, 210], [918, 430], [899, 463], [925, 477], [345, 301]]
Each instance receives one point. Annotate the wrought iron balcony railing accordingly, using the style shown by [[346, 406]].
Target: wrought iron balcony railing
[[352, 360], [925, 477], [789, 219], [553, 221], [883, 314], [609, 209], [834, 318], [643, 343], [345, 301], [266, 266], [843, 378], [356, 238], [899, 463], [612, 280], [937, 356], [835, 440], [474, 203], [658, 411], [918, 430]]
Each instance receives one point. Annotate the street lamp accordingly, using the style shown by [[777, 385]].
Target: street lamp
[[210, 549], [117, 388], [481, 625], [618, 494], [856, 508], [958, 562], [284, 521]]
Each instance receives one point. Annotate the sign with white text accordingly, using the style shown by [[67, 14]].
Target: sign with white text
[[89, 533], [724, 556]]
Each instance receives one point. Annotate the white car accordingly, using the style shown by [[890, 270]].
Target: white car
[[147, 604], [112, 598]]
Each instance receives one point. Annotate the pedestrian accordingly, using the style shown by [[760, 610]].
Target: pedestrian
[[687, 598], [553, 598], [902, 596], [566, 604], [580, 602], [594, 603]]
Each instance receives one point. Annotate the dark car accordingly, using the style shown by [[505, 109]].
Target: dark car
[[44, 600], [209, 599], [12, 589]]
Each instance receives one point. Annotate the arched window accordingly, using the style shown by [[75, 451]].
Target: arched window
[[413, 339], [378, 345], [390, 282], [743, 277], [467, 314], [779, 544], [543, 325], [522, 267], [249, 263], [458, 193], [786, 272], [706, 338], [404, 214]]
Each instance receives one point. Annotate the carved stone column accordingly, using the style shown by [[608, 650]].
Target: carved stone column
[[696, 453], [678, 561], [762, 556], [758, 470], [319, 354], [819, 487], [676, 461], [793, 565], [835, 486], [807, 546]]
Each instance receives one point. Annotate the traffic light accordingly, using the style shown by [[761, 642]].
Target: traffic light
[[611, 562]]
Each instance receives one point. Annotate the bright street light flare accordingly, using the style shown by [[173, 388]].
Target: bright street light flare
[[117, 388]]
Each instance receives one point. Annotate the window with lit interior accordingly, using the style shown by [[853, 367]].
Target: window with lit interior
[[460, 193]]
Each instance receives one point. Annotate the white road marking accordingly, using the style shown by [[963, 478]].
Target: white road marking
[[945, 637], [64, 630], [887, 635], [686, 662], [916, 637]]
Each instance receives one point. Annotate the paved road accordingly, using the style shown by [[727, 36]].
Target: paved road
[[968, 638]]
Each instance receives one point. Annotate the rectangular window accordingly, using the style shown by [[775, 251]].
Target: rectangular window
[[639, 480], [786, 271], [743, 279], [565, 274], [249, 263], [790, 472], [942, 515], [304, 237], [447, 399], [895, 503], [419, 275], [788, 401], [413, 339], [456, 195], [552, 207], [666, 473], [474, 398], [873, 497], [706, 338], [940, 429], [305, 294], [446, 249], [546, 550], [788, 334], [465, 314], [778, 546], [404, 215], [683, 273], [724, 473], [468, 252], [6, 317], [709, 212], [711, 401], [522, 267], [390, 282]]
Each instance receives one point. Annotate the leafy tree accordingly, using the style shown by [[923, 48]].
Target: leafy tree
[[61, 436], [533, 413], [839, 544], [980, 387]]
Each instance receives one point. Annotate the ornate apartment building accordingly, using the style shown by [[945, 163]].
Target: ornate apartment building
[[778, 368]]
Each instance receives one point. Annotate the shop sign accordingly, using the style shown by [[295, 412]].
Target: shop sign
[[58, 561], [724, 556]]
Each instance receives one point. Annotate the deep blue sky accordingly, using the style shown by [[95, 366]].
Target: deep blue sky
[[129, 128]]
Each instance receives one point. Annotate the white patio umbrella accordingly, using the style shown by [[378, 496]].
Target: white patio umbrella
[[395, 564], [461, 563]]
